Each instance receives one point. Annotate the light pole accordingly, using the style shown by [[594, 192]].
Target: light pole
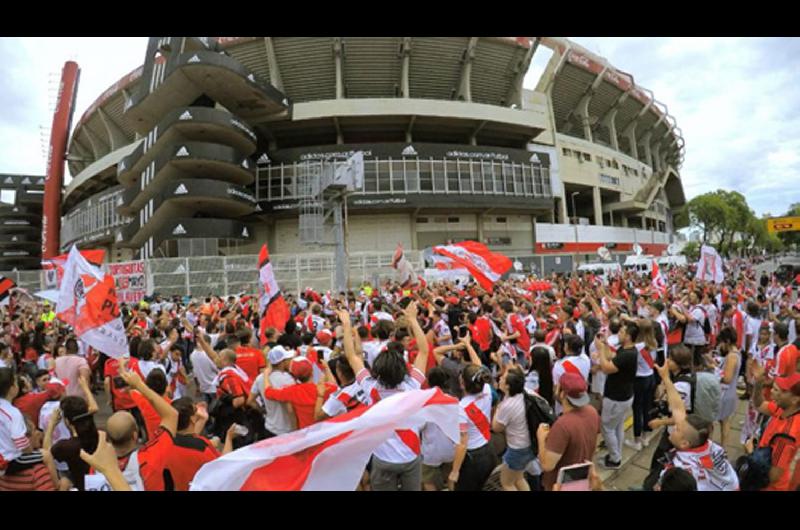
[[574, 211]]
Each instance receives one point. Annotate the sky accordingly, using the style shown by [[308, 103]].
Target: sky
[[735, 99]]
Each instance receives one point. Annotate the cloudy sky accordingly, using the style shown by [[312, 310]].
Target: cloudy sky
[[736, 100]]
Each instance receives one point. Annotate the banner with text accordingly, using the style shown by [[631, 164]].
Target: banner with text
[[130, 280]]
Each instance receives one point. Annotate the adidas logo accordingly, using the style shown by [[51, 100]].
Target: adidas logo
[[535, 159], [121, 167], [409, 151], [185, 116], [251, 78], [181, 190], [8, 180], [40, 181], [180, 270], [258, 208], [179, 231], [120, 201], [245, 233], [182, 152], [14, 238], [264, 159], [194, 59], [285, 102], [26, 180], [244, 164], [119, 236]]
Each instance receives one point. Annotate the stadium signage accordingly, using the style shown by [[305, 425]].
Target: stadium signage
[[244, 128], [343, 155], [130, 280], [477, 154], [553, 246], [241, 194]]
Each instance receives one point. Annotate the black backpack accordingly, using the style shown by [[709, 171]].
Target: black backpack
[[706, 321], [537, 410]]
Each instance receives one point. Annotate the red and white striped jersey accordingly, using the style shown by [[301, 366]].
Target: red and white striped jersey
[[13, 438], [577, 364], [442, 332], [645, 360], [344, 400], [475, 411], [404, 445]]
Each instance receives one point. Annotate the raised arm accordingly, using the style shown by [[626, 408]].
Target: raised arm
[[421, 362], [167, 413], [473, 355], [90, 401], [206, 347], [674, 400], [356, 362]]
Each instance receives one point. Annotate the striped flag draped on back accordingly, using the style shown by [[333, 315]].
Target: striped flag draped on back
[[329, 455], [274, 310]]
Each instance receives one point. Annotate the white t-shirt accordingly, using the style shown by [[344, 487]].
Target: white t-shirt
[[372, 349], [205, 371], [13, 431], [599, 377], [511, 414], [148, 366], [694, 330], [277, 418], [644, 368], [752, 327], [474, 413], [61, 432], [437, 448], [404, 445], [442, 332]]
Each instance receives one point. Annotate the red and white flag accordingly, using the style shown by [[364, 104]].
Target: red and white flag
[[485, 266], [54, 267], [87, 301], [709, 268], [658, 282], [273, 307], [329, 455]]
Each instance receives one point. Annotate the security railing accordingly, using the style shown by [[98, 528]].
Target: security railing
[[436, 176]]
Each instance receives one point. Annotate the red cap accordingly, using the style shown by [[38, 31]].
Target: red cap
[[324, 336], [301, 368], [789, 384], [452, 300], [574, 386]]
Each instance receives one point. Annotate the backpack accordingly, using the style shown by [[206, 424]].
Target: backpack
[[706, 323], [753, 469], [537, 410]]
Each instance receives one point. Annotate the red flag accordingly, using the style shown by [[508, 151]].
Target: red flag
[[6, 284], [485, 266], [274, 310], [658, 282]]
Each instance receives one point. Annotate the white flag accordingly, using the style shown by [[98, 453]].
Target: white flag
[[329, 455], [87, 301], [709, 268]]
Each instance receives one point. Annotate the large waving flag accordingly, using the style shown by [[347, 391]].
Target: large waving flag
[[87, 301], [274, 310], [6, 284], [709, 268], [485, 266], [330, 455], [54, 267], [658, 282]]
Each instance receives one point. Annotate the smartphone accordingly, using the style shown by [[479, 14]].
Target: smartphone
[[575, 478], [241, 430]]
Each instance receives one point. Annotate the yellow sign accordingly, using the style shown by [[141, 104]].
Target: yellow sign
[[783, 224]]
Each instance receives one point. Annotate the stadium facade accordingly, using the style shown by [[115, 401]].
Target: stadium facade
[[21, 221], [201, 151]]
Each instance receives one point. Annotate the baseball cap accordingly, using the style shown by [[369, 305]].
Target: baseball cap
[[301, 368], [279, 354], [789, 384], [324, 336], [574, 386]]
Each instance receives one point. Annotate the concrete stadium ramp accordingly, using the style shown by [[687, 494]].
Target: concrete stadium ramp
[[186, 198], [187, 124], [187, 160]]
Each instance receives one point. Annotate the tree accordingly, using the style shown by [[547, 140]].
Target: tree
[[737, 218], [691, 250], [708, 212]]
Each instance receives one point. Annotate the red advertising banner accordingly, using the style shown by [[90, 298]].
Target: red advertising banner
[[51, 209]]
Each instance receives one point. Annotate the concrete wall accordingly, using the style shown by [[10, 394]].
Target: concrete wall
[[546, 232]]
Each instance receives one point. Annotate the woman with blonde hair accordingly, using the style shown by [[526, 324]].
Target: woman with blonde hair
[[644, 384]]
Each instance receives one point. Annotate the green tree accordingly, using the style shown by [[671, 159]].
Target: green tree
[[708, 212], [737, 218], [691, 250]]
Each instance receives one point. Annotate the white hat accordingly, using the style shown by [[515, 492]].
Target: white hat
[[279, 354]]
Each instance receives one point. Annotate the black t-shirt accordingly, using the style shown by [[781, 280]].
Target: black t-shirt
[[619, 385]]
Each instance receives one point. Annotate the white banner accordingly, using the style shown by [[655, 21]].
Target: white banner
[[130, 280]]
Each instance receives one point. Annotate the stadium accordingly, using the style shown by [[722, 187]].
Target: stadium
[[203, 150]]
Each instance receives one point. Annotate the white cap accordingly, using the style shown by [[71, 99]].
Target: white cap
[[279, 354]]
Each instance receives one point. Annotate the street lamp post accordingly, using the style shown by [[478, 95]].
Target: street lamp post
[[574, 211]]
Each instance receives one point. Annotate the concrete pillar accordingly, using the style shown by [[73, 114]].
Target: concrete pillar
[[413, 228], [630, 133], [465, 84], [624, 221], [479, 224], [272, 60], [598, 206], [562, 211], [337, 53], [657, 158], [648, 155], [583, 112], [405, 89], [608, 122]]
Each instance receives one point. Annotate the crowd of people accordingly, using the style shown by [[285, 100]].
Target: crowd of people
[[546, 371]]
